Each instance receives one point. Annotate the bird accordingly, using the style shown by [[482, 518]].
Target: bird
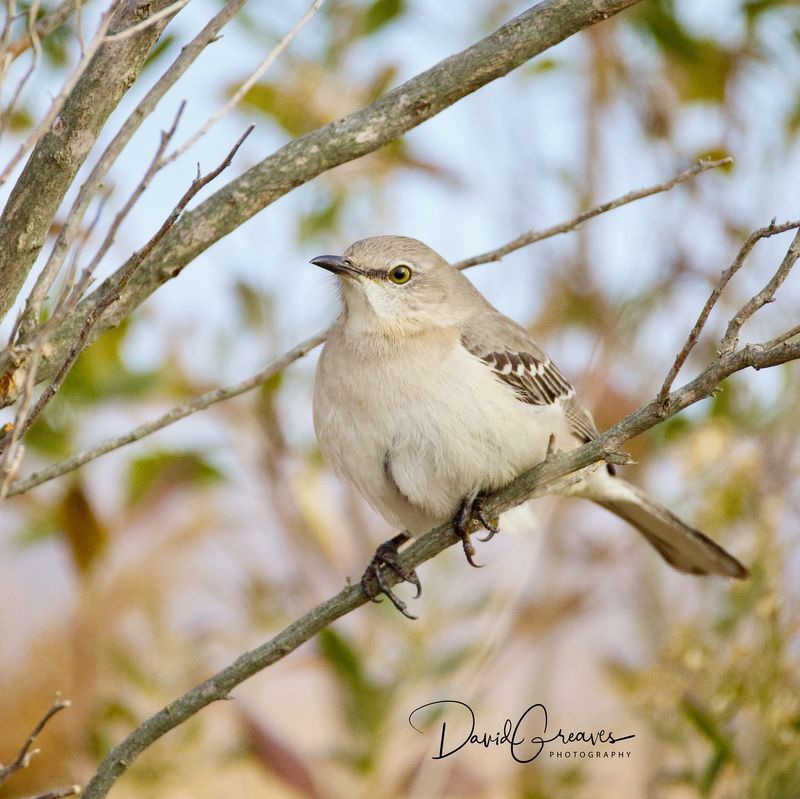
[[427, 398]]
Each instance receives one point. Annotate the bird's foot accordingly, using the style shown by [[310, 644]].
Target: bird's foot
[[373, 582], [472, 515]]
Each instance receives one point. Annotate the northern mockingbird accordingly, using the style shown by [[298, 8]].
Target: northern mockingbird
[[426, 397]]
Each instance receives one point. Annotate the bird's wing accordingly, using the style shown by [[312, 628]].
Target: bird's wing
[[517, 360]]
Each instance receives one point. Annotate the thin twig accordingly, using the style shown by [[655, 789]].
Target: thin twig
[[58, 102], [59, 793], [156, 165], [193, 405], [25, 754], [45, 25], [533, 236], [783, 337], [8, 111], [12, 453], [70, 228], [173, 8], [112, 295], [67, 301], [765, 296], [765, 232], [205, 400], [248, 84], [5, 37], [79, 26]]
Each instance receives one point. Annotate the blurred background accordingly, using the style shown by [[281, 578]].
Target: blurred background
[[125, 583]]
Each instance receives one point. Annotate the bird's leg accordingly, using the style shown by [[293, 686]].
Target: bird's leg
[[471, 514], [372, 581]]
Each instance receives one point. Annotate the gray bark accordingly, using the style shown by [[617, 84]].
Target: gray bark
[[59, 154]]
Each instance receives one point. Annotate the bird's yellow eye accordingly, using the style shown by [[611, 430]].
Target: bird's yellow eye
[[400, 274]]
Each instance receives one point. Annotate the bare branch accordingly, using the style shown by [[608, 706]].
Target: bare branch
[[111, 296], [169, 11], [765, 232], [8, 112], [209, 398], [249, 83], [146, 106], [193, 405], [46, 24], [58, 102], [787, 336], [55, 160], [25, 754], [549, 476], [766, 295], [532, 236]]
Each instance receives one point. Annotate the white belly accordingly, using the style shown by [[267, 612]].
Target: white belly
[[425, 427]]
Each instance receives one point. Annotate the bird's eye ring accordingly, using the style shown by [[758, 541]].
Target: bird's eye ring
[[400, 274]]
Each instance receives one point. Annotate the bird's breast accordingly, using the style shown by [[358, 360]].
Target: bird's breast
[[428, 417]]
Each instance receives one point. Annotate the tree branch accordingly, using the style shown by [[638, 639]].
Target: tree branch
[[23, 758], [532, 236], [133, 263], [544, 478], [90, 186], [46, 24], [346, 139], [762, 233], [56, 158], [765, 296], [246, 85]]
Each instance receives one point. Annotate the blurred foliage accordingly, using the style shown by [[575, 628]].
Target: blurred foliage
[[165, 471], [187, 555], [723, 695]]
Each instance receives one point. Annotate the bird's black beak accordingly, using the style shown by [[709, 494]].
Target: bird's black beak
[[336, 264]]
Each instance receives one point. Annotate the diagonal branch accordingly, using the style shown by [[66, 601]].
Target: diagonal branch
[[217, 395], [248, 84], [57, 156], [765, 232], [547, 477], [23, 758], [45, 25], [766, 295], [90, 186], [532, 236], [301, 160], [123, 277], [193, 405]]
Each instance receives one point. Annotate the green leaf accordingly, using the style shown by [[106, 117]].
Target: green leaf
[[166, 471], [322, 218], [100, 372], [381, 13], [160, 49], [701, 66], [366, 702], [708, 726], [288, 109], [83, 530]]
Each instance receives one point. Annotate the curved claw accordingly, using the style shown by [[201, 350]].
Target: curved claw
[[386, 556], [472, 510], [472, 562], [480, 514]]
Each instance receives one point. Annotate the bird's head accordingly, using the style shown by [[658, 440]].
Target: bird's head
[[397, 284]]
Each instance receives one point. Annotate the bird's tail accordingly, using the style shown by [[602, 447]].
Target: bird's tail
[[683, 547]]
